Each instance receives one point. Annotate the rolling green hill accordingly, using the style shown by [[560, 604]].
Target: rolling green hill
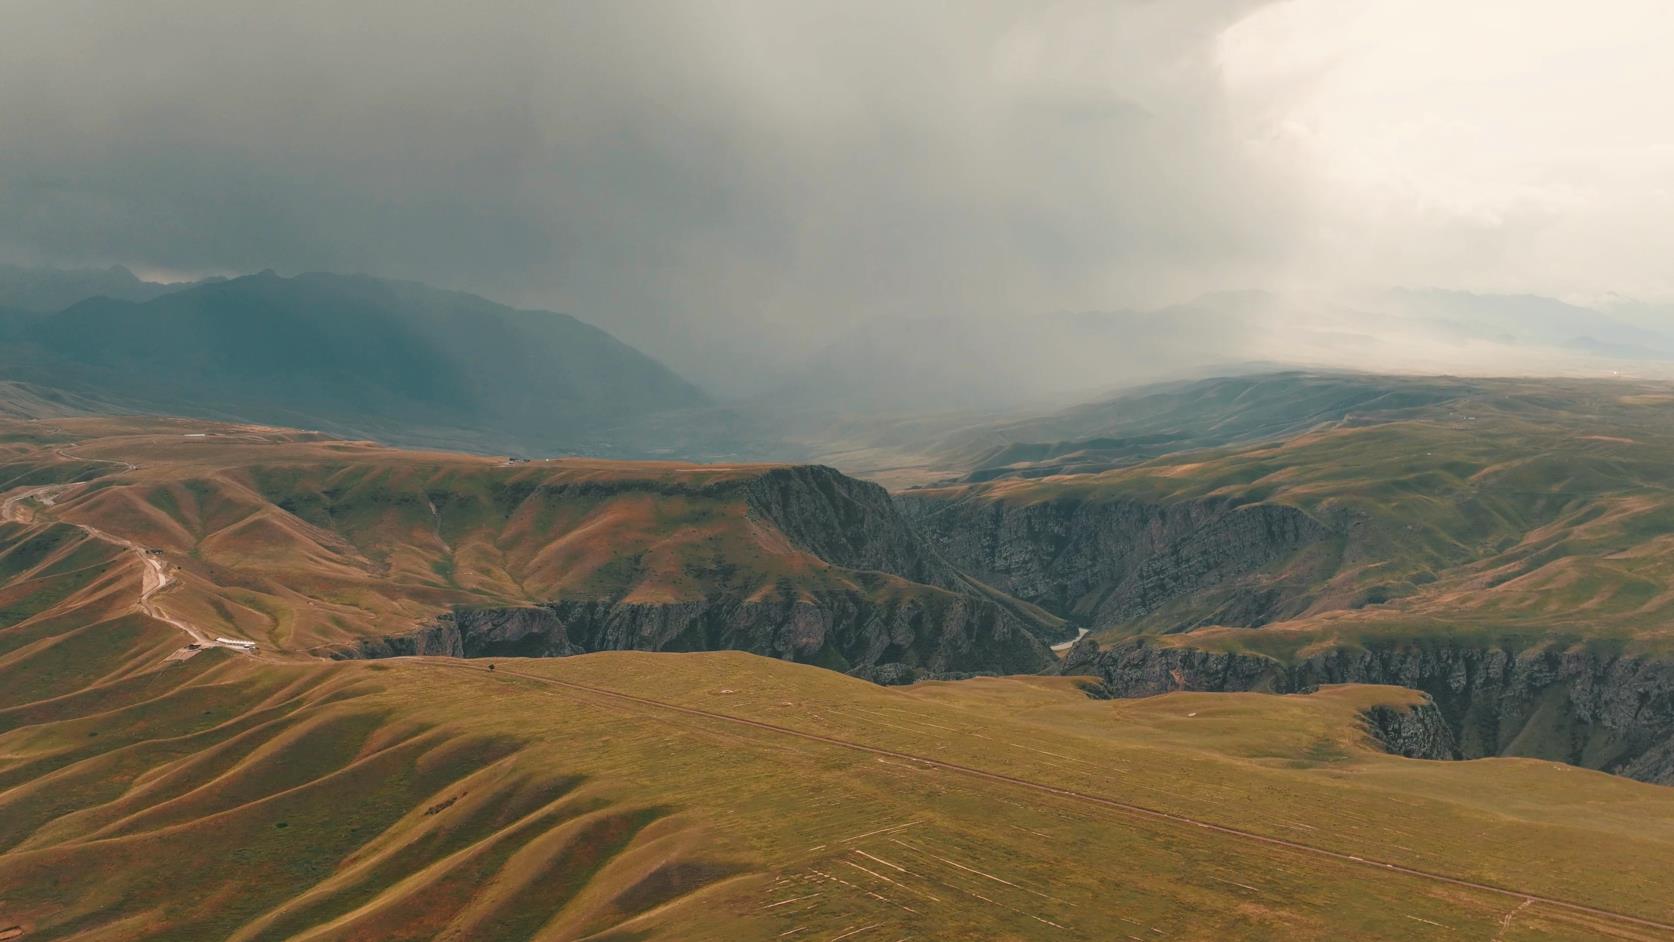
[[1158, 420]]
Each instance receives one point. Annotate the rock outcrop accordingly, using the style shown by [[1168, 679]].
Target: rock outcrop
[[933, 632], [1417, 732], [883, 597], [1570, 703], [846, 522], [1106, 562], [536, 631]]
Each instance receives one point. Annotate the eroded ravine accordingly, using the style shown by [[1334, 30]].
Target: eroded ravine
[[1573, 703]]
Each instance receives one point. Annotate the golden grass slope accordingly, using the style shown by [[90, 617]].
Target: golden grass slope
[[730, 797], [1534, 511], [305, 543], [648, 796]]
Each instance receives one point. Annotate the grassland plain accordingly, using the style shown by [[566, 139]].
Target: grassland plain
[[632, 795]]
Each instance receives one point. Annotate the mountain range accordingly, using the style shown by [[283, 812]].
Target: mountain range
[[46, 290], [413, 365], [958, 362], [352, 355]]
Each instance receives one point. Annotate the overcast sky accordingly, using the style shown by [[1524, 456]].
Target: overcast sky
[[706, 175]]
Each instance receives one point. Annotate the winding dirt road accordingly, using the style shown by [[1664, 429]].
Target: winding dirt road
[[155, 577]]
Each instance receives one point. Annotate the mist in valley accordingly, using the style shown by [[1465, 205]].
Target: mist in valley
[[824, 214]]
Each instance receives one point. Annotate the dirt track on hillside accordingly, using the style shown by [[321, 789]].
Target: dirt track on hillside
[[155, 575]]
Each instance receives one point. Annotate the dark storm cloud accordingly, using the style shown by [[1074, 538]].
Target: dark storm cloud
[[696, 177]]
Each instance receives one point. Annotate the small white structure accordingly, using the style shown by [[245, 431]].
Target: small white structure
[[237, 643]]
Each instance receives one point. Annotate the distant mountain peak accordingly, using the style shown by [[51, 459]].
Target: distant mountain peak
[[46, 290]]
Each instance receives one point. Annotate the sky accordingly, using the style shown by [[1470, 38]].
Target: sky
[[728, 183]]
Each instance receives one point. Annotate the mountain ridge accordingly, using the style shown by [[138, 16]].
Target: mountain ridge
[[356, 356], [314, 546]]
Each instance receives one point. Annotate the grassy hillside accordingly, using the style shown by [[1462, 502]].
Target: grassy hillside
[[1163, 419], [1531, 509], [630, 795], [311, 545], [1138, 424], [636, 795]]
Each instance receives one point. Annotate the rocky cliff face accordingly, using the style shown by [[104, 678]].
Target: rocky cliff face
[[919, 633], [1417, 732], [1102, 563], [1566, 703], [847, 523], [536, 632], [908, 610]]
